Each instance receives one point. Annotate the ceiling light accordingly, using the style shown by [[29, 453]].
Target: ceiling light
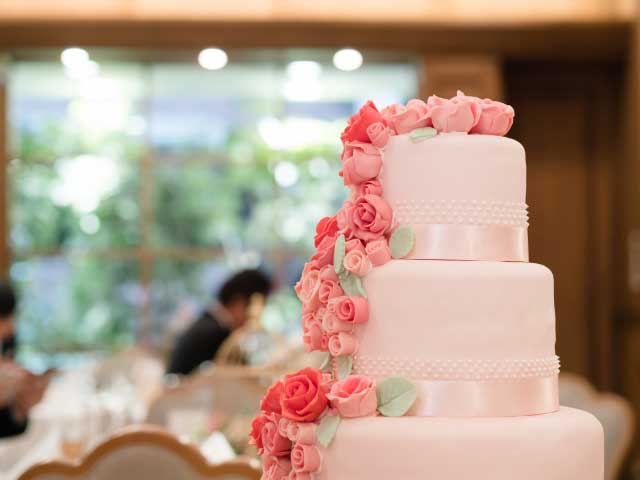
[[213, 58], [74, 56], [347, 59]]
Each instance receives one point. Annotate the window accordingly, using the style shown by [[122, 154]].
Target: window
[[136, 189]]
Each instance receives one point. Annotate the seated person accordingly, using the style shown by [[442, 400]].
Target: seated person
[[201, 341], [19, 389]]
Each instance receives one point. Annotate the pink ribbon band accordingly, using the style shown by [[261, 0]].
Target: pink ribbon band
[[506, 398], [470, 242]]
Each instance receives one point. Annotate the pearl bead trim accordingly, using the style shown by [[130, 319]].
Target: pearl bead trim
[[467, 212], [457, 369]]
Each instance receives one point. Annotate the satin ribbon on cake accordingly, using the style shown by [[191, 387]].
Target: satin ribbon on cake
[[470, 242], [503, 398]]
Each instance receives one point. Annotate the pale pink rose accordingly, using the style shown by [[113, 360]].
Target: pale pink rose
[[405, 119], [496, 118], [309, 285], [283, 427], [354, 310], [328, 273], [369, 218], [303, 433], [309, 318], [276, 468], [305, 458], [459, 114], [353, 244], [328, 290], [354, 397], [378, 134], [370, 187], [313, 338], [363, 164], [342, 343], [378, 252], [356, 262], [273, 443], [331, 324]]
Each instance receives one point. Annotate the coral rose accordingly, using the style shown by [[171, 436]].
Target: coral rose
[[342, 343], [271, 401], [328, 290], [362, 162], [308, 286], [326, 227], [355, 396], [356, 129], [356, 262], [302, 399], [370, 218], [370, 187], [276, 468], [273, 443], [256, 432], [353, 310]]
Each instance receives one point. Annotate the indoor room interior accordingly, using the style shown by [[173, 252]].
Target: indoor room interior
[[150, 149]]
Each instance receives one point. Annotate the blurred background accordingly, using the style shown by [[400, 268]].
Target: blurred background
[[148, 149]]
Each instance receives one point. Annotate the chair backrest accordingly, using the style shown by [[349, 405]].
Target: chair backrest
[[143, 453], [614, 412]]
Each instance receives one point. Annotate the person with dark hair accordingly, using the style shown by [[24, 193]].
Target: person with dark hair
[[201, 341], [19, 389]]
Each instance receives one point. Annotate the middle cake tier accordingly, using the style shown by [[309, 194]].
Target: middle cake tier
[[478, 338]]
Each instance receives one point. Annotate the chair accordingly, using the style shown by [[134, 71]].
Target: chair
[[143, 453], [614, 412]]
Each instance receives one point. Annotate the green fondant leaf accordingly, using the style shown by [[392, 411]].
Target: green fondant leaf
[[395, 396], [338, 254], [327, 429], [326, 361], [401, 241], [420, 134], [352, 285], [344, 366]]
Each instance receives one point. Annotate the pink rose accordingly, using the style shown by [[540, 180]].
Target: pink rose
[[496, 118], [355, 396], [255, 437], [303, 400], [276, 468], [308, 286], [356, 262], [378, 133], [378, 252], [308, 318], [273, 443], [328, 290], [313, 338], [362, 162], [370, 187], [304, 433], [300, 476], [353, 310], [353, 244], [356, 130], [324, 346], [328, 273], [405, 119], [342, 343], [326, 227], [343, 216], [271, 401], [284, 424], [370, 218], [324, 252], [332, 324], [305, 458], [460, 114]]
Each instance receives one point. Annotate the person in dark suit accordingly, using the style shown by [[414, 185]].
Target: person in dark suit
[[202, 339]]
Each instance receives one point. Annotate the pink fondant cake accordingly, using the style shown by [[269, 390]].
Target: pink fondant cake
[[438, 335]]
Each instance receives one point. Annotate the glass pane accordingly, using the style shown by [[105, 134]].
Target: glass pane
[[72, 304], [75, 146]]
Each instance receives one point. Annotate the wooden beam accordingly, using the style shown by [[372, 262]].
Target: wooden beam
[[567, 40]]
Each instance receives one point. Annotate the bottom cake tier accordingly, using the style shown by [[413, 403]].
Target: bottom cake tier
[[564, 445]]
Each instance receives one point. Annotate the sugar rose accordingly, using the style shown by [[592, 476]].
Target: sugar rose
[[496, 118], [370, 218], [370, 187], [378, 252], [302, 399], [459, 114], [363, 162], [405, 119], [273, 443], [353, 310], [326, 227], [378, 133], [356, 262], [308, 286], [276, 468], [342, 343], [354, 397], [356, 129], [255, 437], [271, 401], [305, 458]]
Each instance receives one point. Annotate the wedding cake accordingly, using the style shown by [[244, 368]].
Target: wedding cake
[[438, 335]]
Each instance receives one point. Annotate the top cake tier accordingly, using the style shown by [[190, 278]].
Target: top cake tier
[[463, 195]]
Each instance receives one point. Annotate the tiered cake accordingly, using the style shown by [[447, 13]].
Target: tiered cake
[[439, 335]]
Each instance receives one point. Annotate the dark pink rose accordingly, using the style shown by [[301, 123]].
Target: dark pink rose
[[328, 290], [256, 432], [459, 114], [342, 343], [405, 119], [271, 401], [276, 468], [273, 443], [303, 400], [370, 187], [363, 163], [378, 252], [353, 310], [354, 397], [308, 286], [356, 130], [378, 133], [496, 118], [356, 262], [370, 218], [305, 459], [326, 227]]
